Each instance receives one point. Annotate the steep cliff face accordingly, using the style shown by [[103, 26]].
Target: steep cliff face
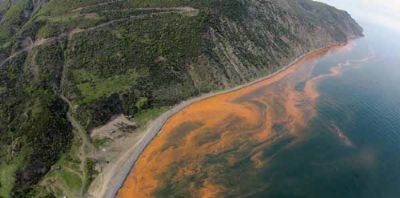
[[268, 35], [108, 57]]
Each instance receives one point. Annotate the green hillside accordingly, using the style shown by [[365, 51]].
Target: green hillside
[[67, 66]]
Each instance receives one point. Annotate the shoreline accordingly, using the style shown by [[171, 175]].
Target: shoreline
[[130, 158]]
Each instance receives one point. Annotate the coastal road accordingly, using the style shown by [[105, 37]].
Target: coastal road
[[114, 179]]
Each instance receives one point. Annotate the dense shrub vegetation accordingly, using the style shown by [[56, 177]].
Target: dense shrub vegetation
[[134, 57]]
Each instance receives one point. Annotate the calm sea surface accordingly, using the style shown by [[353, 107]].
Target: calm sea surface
[[353, 148], [328, 127]]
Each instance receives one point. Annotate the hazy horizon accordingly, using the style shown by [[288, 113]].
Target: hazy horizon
[[383, 13]]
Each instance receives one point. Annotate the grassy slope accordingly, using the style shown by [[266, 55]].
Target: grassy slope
[[139, 67], [12, 19]]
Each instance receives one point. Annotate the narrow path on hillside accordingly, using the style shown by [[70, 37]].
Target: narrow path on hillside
[[96, 5], [186, 11], [86, 147]]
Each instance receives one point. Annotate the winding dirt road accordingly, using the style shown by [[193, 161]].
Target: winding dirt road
[[186, 11]]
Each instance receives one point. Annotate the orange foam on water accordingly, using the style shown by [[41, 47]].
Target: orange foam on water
[[225, 122]]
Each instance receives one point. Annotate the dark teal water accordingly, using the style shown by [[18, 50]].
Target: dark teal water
[[353, 146]]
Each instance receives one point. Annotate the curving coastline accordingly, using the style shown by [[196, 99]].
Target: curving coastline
[[119, 174]]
